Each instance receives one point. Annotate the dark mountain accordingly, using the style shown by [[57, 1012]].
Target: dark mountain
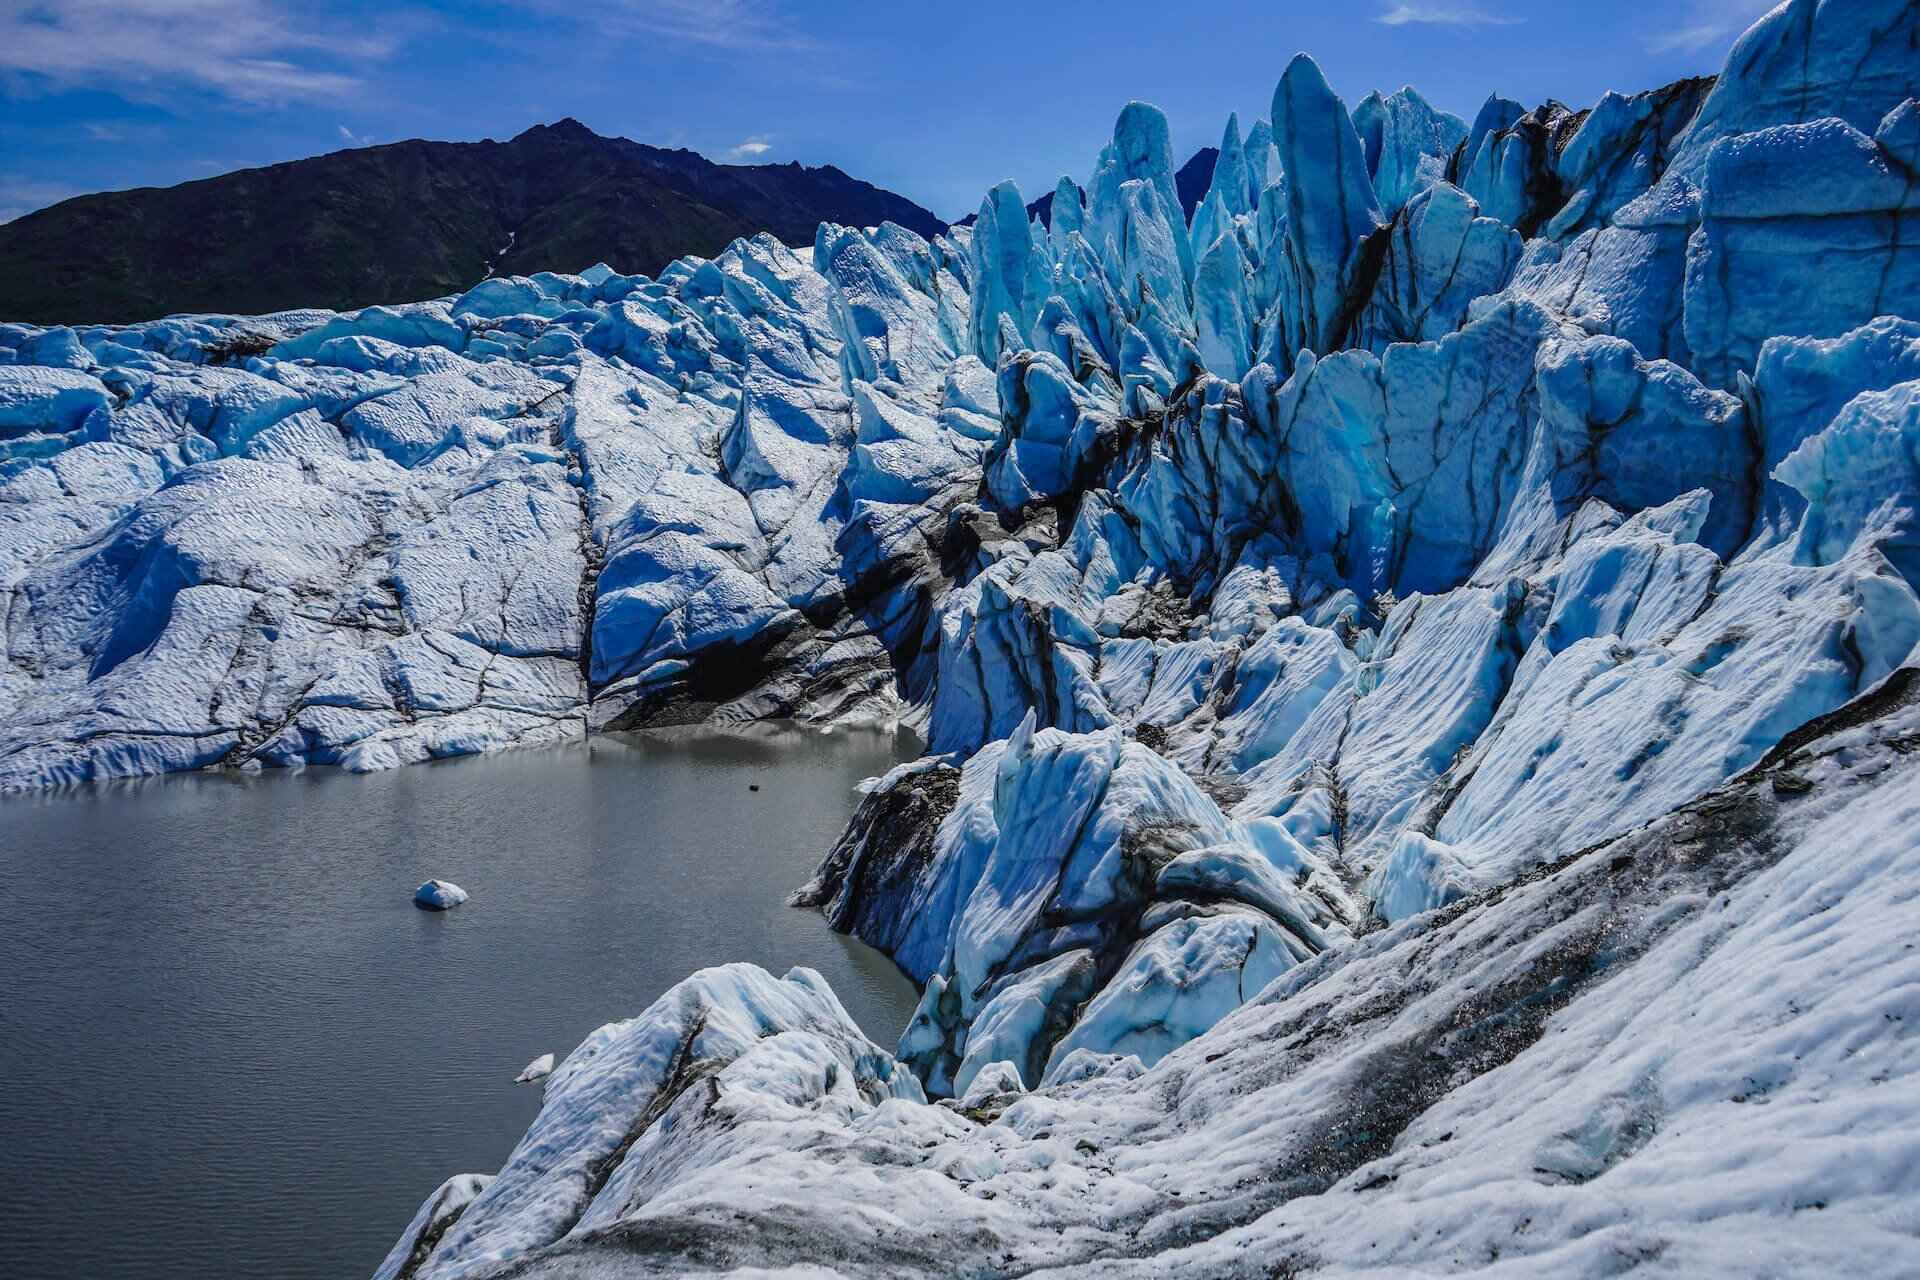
[[410, 220], [1194, 177], [1043, 209]]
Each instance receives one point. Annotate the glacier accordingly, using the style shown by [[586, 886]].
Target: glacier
[[1416, 665]]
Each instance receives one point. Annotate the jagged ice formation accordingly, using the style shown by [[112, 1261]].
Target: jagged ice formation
[[1417, 664]]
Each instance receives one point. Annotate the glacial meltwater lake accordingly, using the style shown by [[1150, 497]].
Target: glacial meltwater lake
[[231, 1046]]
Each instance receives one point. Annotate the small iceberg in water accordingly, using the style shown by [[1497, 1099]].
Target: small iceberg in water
[[438, 895]]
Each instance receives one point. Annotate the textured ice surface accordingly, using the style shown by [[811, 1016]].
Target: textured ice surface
[[363, 545], [1364, 636], [1683, 1050]]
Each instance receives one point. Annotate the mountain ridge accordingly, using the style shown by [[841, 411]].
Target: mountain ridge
[[410, 219]]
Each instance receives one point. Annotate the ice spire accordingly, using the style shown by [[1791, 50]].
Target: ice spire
[[1230, 174], [1263, 162], [1005, 275], [1223, 315], [1407, 144], [1330, 207], [1141, 151], [1069, 214]]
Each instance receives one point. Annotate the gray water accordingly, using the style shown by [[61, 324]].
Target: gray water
[[231, 1046]]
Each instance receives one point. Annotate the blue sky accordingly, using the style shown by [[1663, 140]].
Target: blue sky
[[936, 102]]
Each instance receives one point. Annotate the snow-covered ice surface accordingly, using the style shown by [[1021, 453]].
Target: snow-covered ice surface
[[547, 505], [1417, 665]]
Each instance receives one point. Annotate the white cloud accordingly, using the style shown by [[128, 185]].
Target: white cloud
[[249, 50], [752, 149], [738, 25], [1443, 15], [1688, 39], [1708, 25], [353, 139]]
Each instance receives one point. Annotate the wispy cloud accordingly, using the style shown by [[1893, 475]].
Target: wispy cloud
[[1443, 15], [753, 148], [250, 50], [353, 139], [1708, 25], [1688, 39], [738, 25]]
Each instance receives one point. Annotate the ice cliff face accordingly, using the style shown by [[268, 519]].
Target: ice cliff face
[[1417, 664], [547, 506]]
